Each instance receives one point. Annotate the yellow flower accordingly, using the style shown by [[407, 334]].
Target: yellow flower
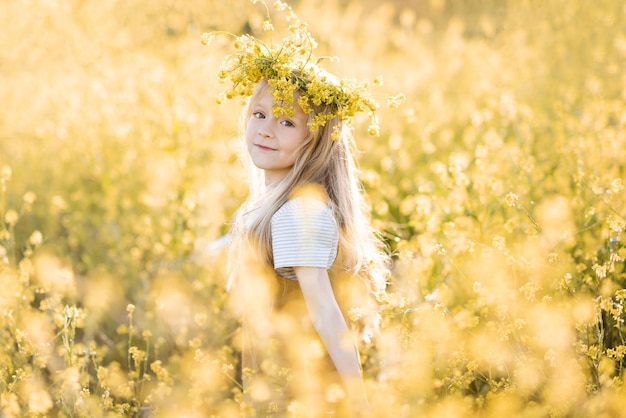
[[39, 402], [36, 238], [5, 173], [280, 6], [499, 243], [206, 38], [395, 101], [29, 198], [267, 26], [511, 200], [137, 354], [11, 217]]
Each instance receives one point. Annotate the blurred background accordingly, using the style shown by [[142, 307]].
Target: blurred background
[[498, 185]]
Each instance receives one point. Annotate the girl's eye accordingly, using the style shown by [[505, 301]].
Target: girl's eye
[[258, 115], [287, 123]]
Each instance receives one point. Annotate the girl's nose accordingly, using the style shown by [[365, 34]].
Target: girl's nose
[[265, 131]]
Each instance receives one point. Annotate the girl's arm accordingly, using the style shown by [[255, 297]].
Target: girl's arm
[[332, 329]]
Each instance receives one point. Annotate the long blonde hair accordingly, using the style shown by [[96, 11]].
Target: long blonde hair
[[330, 164]]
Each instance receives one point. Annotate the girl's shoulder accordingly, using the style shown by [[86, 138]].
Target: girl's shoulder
[[304, 202], [307, 198], [304, 233], [303, 208]]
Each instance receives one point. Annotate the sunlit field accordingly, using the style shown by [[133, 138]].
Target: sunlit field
[[498, 185]]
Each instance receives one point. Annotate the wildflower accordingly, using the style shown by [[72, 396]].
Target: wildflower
[[160, 372], [499, 243], [189, 203], [39, 402], [355, 314], [267, 26], [195, 343], [477, 287], [36, 238], [600, 271], [280, 6], [58, 203], [137, 354], [510, 200], [5, 173], [394, 102], [472, 366], [617, 185], [431, 297], [70, 313], [617, 225], [553, 257], [334, 393], [374, 130], [617, 353], [206, 38], [29, 198], [130, 308], [11, 217], [200, 319]]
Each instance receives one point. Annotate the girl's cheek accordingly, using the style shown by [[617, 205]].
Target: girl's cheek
[[251, 128]]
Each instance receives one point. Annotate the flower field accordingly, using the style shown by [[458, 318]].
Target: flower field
[[498, 185]]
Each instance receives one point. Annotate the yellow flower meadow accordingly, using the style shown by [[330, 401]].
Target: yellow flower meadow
[[498, 186]]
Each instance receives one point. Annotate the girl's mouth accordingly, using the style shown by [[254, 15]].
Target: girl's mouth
[[264, 148]]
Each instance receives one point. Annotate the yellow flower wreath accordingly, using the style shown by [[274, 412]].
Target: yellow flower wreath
[[292, 67]]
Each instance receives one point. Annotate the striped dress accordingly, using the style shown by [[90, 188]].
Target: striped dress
[[304, 234]]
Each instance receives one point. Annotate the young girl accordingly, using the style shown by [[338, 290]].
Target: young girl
[[302, 249]]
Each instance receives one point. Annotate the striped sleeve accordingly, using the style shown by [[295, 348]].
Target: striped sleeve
[[304, 233]]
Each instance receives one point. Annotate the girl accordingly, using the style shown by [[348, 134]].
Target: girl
[[304, 219], [303, 252]]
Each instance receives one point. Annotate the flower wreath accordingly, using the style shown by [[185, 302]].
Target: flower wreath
[[292, 67]]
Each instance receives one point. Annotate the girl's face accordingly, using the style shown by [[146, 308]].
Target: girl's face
[[274, 142]]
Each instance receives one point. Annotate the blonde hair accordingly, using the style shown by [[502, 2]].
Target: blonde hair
[[329, 164]]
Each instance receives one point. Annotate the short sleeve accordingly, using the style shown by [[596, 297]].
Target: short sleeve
[[304, 233]]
